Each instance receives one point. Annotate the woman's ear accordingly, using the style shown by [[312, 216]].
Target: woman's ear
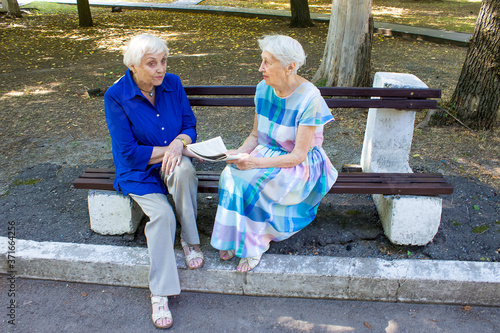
[[291, 67], [132, 68]]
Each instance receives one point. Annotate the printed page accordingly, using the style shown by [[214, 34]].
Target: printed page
[[211, 150]]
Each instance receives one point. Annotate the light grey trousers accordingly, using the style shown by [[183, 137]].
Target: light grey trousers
[[182, 184]]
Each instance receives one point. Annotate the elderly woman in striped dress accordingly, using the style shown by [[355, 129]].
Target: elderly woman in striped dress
[[274, 189]]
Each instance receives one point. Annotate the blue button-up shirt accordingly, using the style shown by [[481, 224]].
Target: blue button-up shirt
[[136, 126]]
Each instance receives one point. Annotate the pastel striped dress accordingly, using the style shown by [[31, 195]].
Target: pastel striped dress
[[258, 206]]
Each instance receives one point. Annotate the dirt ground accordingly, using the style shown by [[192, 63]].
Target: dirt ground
[[51, 129]]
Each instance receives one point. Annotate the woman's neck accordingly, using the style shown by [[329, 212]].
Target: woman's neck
[[144, 87], [289, 86]]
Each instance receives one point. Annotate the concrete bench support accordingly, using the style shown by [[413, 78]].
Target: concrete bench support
[[407, 220], [111, 213]]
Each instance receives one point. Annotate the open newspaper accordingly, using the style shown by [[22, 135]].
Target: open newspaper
[[211, 150]]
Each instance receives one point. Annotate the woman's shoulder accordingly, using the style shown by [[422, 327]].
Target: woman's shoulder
[[172, 79], [262, 87], [309, 88], [116, 88]]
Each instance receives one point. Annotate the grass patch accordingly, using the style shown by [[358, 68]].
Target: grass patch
[[51, 8], [453, 15], [480, 229], [18, 182], [353, 212]]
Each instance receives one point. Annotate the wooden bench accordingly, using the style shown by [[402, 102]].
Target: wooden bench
[[427, 186]]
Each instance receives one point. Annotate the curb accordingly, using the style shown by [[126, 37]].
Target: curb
[[368, 279], [387, 29]]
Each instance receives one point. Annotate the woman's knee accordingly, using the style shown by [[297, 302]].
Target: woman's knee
[[186, 167], [185, 172]]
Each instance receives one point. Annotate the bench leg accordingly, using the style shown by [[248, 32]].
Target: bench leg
[[389, 132], [111, 213], [409, 220]]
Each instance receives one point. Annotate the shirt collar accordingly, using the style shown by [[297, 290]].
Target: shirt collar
[[131, 89]]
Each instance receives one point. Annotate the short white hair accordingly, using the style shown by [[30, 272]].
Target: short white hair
[[140, 45], [285, 49]]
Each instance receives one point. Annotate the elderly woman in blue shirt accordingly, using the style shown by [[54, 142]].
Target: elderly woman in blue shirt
[[151, 122]]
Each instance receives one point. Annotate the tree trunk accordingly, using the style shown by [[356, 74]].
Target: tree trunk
[[301, 18], [84, 15], [12, 8], [347, 55], [477, 96]]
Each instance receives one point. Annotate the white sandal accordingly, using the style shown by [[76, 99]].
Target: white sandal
[[192, 255], [251, 261], [162, 314], [227, 254]]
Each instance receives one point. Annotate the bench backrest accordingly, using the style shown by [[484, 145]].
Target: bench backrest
[[393, 98]]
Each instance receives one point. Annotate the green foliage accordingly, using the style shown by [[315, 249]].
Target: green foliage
[[353, 212], [52, 8], [320, 82], [480, 229], [18, 182], [453, 15]]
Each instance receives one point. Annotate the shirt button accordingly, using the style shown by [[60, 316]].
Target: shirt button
[[165, 142], [158, 115], [163, 128]]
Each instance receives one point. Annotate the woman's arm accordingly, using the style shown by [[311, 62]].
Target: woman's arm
[[170, 156], [159, 151], [251, 141], [305, 135], [126, 148]]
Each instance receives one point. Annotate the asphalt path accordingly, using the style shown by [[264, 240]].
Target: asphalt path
[[52, 306]]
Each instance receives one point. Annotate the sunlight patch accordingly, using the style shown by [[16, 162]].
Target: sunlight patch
[[305, 326], [382, 10]]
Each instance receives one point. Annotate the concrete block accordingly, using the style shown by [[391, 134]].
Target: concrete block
[[389, 132], [101, 264], [111, 213], [451, 282], [299, 276], [409, 220], [375, 279]]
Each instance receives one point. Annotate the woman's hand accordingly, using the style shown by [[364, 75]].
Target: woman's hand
[[232, 152], [246, 162], [172, 157], [189, 153]]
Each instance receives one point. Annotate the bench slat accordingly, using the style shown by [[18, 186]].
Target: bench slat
[[332, 103], [346, 176], [349, 183], [392, 189], [325, 91]]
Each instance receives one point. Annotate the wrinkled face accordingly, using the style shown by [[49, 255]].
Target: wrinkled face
[[151, 71], [271, 69]]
